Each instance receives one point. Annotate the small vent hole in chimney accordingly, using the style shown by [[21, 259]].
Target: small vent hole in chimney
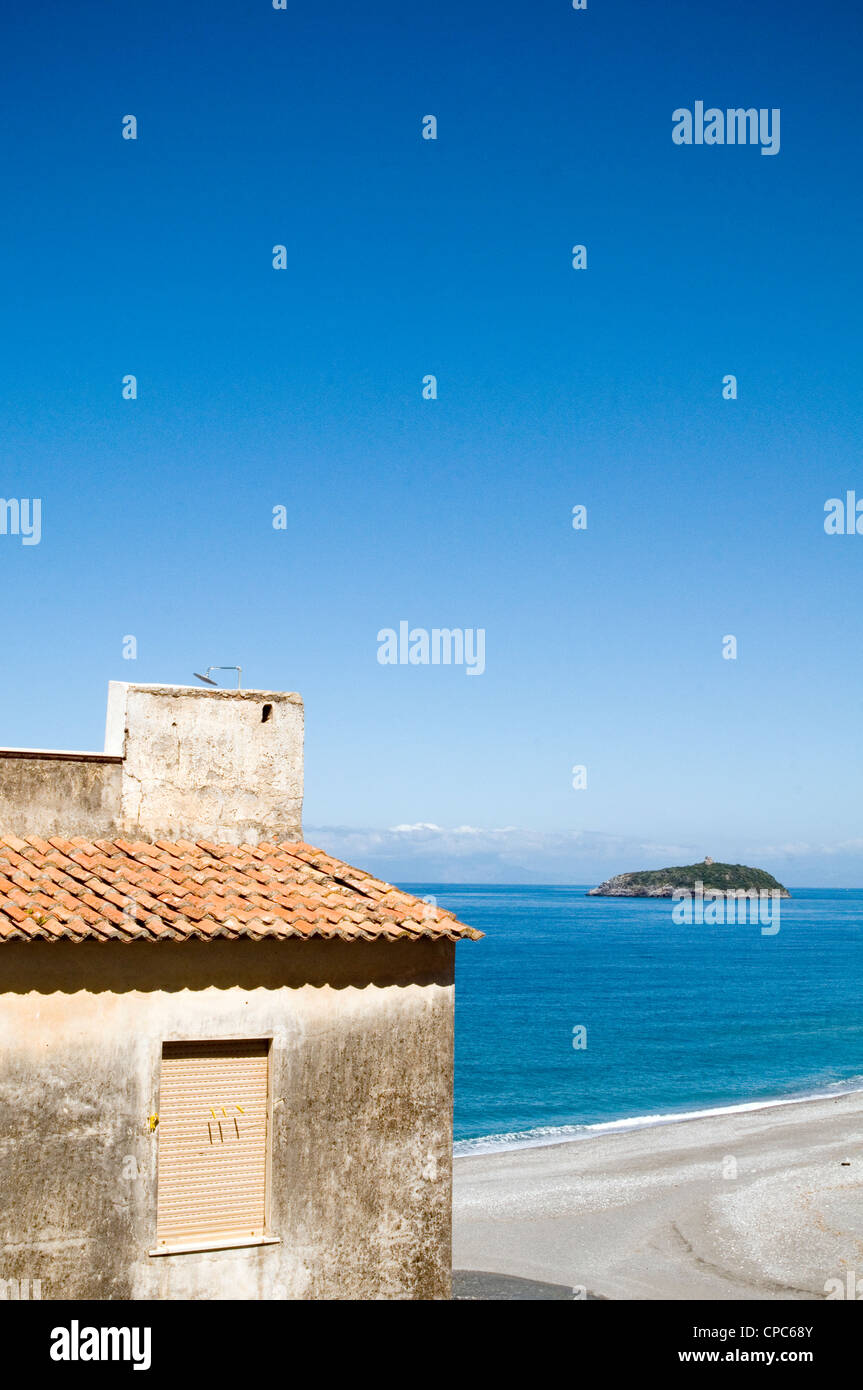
[[265, 713]]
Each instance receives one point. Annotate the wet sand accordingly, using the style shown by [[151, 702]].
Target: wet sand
[[659, 1213]]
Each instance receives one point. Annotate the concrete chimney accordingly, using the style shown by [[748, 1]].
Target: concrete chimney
[[223, 765]]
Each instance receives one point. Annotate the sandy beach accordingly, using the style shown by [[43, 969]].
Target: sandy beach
[[658, 1213]]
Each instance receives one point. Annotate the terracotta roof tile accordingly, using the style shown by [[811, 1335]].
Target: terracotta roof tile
[[124, 891]]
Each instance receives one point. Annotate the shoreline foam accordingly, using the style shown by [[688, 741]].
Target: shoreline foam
[[544, 1136]]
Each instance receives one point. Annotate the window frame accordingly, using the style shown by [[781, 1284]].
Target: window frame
[[230, 1242]]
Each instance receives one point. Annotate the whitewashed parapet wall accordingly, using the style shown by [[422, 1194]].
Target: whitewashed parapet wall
[[179, 763]]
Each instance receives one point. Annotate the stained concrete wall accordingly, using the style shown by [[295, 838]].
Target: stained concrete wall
[[361, 1070], [222, 765], [179, 763], [59, 794]]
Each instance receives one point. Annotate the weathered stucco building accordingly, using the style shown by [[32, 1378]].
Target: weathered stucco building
[[225, 1057]]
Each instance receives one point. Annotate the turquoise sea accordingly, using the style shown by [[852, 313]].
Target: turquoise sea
[[678, 1018]]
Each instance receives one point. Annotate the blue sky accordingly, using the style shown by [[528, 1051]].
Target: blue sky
[[302, 388]]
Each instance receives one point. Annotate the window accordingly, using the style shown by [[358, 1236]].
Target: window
[[213, 1145]]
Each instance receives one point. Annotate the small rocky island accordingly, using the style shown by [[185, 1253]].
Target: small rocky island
[[661, 883]]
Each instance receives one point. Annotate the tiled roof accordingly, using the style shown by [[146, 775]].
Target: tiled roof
[[175, 891]]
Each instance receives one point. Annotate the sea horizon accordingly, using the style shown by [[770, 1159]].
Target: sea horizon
[[420, 887]]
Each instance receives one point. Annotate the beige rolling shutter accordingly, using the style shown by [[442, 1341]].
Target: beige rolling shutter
[[212, 1137]]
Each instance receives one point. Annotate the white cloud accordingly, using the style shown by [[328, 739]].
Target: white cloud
[[410, 829], [423, 851]]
